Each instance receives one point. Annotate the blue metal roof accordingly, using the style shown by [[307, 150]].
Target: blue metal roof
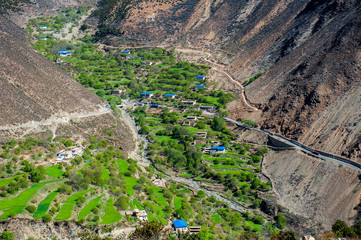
[[200, 76], [169, 95], [145, 93], [179, 224], [43, 26], [200, 86], [220, 148], [125, 51]]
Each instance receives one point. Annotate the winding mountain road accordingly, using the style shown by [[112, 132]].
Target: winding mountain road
[[302, 147]]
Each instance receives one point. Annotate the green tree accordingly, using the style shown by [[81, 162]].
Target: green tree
[[218, 123], [343, 230], [122, 202], [7, 236], [247, 235], [31, 208], [284, 235], [281, 220], [148, 231]]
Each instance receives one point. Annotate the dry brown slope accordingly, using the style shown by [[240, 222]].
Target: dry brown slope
[[313, 188], [32, 88]]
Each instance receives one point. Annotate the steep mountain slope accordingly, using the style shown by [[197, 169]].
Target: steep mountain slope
[[41, 8], [311, 48], [34, 89]]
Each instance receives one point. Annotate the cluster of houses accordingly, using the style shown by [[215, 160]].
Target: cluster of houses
[[64, 53], [68, 154]]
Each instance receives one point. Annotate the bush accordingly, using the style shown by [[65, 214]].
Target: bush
[[31, 208], [47, 218]]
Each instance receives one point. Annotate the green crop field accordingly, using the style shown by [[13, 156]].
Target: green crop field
[[187, 175], [123, 165], [161, 201], [16, 205], [66, 209], [131, 181], [54, 171], [217, 218], [105, 174], [111, 214], [155, 208], [88, 208], [6, 181], [224, 166], [44, 205], [152, 218], [178, 202], [138, 204], [162, 220]]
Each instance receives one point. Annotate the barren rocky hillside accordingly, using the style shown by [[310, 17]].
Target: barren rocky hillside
[[46, 8], [34, 89]]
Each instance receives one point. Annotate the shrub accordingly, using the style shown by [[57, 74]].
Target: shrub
[[31, 208]]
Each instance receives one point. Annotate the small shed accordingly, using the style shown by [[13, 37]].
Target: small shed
[[192, 118], [202, 134], [189, 102], [44, 38], [180, 225], [201, 77], [168, 95], [195, 229], [146, 94], [116, 92], [126, 52], [218, 149], [43, 27]]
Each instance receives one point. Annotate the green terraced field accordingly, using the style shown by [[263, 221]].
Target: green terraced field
[[178, 202], [88, 208], [44, 205], [187, 175], [155, 208], [131, 181], [161, 201], [138, 204], [105, 174], [162, 220], [6, 181], [152, 218], [66, 209], [224, 166], [16, 205], [123, 165], [111, 214], [54, 171]]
